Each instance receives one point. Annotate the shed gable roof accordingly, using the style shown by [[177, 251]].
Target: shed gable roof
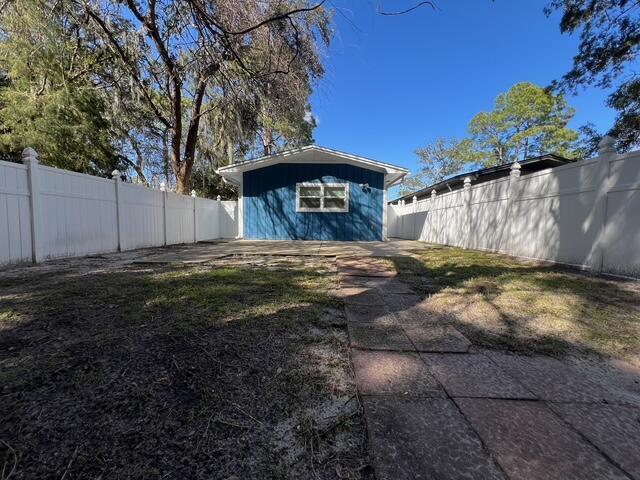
[[312, 154]]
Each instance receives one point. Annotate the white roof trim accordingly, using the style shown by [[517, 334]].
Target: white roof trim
[[233, 173]]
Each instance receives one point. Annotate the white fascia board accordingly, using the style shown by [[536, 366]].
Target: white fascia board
[[233, 173]]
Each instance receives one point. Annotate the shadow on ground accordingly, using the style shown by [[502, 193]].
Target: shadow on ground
[[444, 404], [501, 303], [177, 372]]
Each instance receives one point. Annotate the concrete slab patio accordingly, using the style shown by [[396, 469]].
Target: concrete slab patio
[[206, 251]]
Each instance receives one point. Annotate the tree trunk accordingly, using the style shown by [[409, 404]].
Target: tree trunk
[[139, 165], [165, 155], [184, 166], [176, 161], [267, 131], [183, 179], [267, 141]]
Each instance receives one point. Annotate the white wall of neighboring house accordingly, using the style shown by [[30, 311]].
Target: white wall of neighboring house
[[50, 213], [585, 214]]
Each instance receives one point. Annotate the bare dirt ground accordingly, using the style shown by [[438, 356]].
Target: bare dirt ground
[[234, 368]]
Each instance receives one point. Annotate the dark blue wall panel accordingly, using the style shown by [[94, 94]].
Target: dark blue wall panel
[[270, 203]]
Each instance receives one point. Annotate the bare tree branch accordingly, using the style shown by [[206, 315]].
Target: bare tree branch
[[402, 12], [126, 61], [274, 18]]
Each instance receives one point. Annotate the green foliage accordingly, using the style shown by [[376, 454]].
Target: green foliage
[[626, 100], [46, 101], [284, 118], [439, 160], [609, 46], [156, 89], [411, 184], [587, 146], [215, 74], [65, 127], [209, 185], [526, 121]]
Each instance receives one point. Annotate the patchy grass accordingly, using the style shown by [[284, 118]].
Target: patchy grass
[[500, 302], [210, 371]]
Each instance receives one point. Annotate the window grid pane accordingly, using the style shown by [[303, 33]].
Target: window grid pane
[[323, 198], [309, 202], [311, 191], [334, 203], [334, 192]]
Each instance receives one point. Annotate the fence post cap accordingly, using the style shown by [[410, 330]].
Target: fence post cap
[[163, 186], [218, 198], [433, 192], [467, 182], [193, 193], [516, 167], [115, 174], [607, 145], [29, 155], [415, 199]]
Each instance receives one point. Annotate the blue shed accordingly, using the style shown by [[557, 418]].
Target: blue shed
[[312, 193]]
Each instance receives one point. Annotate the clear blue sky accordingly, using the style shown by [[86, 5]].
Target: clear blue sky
[[393, 84]]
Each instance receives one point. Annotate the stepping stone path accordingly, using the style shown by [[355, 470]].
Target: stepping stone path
[[437, 407]]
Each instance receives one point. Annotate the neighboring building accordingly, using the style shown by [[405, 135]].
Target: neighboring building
[[312, 193], [528, 165]]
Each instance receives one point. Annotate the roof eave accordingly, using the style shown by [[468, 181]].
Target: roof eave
[[233, 173], [230, 180], [392, 179]]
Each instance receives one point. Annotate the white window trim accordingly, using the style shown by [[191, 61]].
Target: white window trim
[[322, 209]]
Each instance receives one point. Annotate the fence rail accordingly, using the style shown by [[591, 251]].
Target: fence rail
[[585, 214], [50, 213]]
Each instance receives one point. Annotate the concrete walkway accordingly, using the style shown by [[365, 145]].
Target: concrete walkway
[[439, 408]]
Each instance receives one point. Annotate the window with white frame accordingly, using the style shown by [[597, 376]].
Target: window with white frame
[[322, 197]]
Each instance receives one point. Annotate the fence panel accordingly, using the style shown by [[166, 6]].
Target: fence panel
[[77, 214], [208, 219], [180, 219], [15, 214], [142, 222], [622, 233], [71, 214], [229, 220], [583, 214], [553, 217]]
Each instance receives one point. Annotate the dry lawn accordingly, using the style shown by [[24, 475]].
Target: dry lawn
[[234, 369], [501, 302]]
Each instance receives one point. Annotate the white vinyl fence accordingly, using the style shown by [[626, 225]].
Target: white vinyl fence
[[49, 213], [585, 214]]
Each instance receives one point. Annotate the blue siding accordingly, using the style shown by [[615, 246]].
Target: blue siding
[[270, 203]]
